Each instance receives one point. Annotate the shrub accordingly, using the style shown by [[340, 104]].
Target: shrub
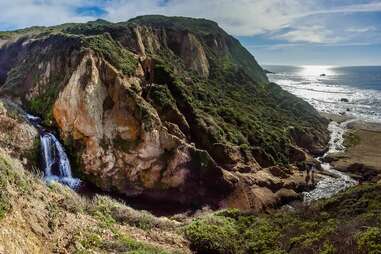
[[213, 234], [369, 241], [119, 57]]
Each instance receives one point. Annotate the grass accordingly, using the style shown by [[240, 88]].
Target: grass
[[110, 215], [10, 175], [113, 212], [98, 225], [347, 221], [90, 241]]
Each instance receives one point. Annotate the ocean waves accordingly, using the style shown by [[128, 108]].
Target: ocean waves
[[335, 93]]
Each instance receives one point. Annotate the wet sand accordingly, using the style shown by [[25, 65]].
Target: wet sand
[[362, 158]]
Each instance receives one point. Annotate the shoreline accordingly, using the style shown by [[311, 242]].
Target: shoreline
[[362, 156]]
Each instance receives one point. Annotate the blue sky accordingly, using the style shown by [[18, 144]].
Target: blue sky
[[332, 32]]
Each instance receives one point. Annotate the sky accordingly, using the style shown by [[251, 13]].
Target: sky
[[284, 32]]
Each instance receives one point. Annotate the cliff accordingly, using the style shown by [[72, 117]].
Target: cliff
[[171, 109]]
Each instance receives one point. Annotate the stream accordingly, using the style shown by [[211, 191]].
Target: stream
[[333, 181], [54, 160]]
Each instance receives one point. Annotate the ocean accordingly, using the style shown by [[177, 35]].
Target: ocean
[[353, 91]]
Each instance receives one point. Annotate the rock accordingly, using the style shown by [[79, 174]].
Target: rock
[[279, 171], [268, 72], [314, 144], [18, 137], [171, 109], [287, 195], [262, 190], [297, 154], [251, 199], [175, 130], [367, 173], [122, 150], [334, 157], [232, 158]]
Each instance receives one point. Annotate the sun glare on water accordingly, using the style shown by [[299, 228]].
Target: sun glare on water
[[317, 70]]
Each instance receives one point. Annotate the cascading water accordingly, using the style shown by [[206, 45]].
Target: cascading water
[[55, 161], [334, 181]]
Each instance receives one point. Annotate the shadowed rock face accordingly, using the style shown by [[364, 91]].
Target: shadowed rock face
[[168, 108]]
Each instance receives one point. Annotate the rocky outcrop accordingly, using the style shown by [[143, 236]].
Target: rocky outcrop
[[166, 108], [125, 145], [267, 188], [18, 137]]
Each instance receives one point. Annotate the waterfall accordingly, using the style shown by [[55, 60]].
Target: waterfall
[[55, 162]]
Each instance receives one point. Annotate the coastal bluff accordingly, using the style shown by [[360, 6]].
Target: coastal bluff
[[165, 108]]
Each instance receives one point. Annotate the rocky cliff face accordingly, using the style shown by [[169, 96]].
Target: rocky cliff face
[[167, 108]]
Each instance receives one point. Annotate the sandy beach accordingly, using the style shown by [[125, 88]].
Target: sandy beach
[[362, 157]]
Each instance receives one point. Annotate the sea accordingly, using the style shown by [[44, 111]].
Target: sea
[[353, 91]]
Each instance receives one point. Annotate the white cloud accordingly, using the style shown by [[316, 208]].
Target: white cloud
[[278, 46], [373, 6], [361, 29], [310, 34], [240, 17], [24, 13]]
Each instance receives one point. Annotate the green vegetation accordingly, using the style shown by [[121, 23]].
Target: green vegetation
[[92, 240], [119, 57], [162, 97], [110, 215], [22, 32], [110, 212], [235, 57], [4, 202], [349, 220], [198, 26], [369, 240], [230, 108], [214, 234], [90, 28], [42, 104]]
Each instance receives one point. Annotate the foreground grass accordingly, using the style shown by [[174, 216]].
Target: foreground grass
[[350, 222], [33, 214], [36, 218]]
